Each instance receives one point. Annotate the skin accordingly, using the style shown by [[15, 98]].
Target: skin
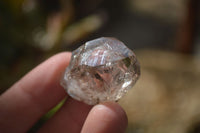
[[36, 93]]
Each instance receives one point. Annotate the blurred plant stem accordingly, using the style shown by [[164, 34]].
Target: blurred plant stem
[[32, 30], [188, 29]]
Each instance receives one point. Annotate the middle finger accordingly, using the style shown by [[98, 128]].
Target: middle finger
[[70, 118]]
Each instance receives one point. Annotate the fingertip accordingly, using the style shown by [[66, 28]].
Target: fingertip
[[114, 112], [118, 111], [107, 117]]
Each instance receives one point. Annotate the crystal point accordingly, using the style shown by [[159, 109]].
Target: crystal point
[[101, 70]]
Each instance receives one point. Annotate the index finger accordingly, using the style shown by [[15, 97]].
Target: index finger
[[32, 96]]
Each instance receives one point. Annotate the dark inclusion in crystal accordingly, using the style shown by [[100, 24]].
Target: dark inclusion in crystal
[[101, 70]]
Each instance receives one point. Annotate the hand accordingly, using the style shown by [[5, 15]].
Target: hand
[[36, 93]]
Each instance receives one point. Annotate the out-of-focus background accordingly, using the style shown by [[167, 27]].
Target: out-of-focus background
[[164, 34]]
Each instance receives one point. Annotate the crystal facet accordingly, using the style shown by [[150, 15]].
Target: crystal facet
[[101, 70]]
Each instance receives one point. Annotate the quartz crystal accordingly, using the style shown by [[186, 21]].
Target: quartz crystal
[[101, 70]]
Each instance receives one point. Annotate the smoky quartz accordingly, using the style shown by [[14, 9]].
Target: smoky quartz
[[101, 70]]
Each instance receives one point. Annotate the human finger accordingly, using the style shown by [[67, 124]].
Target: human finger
[[32, 96], [105, 118], [69, 118]]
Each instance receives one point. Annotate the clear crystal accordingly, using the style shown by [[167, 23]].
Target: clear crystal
[[101, 70]]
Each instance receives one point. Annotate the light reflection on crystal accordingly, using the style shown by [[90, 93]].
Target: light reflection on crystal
[[101, 70]]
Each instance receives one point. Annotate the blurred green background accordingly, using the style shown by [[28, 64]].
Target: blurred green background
[[164, 34]]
